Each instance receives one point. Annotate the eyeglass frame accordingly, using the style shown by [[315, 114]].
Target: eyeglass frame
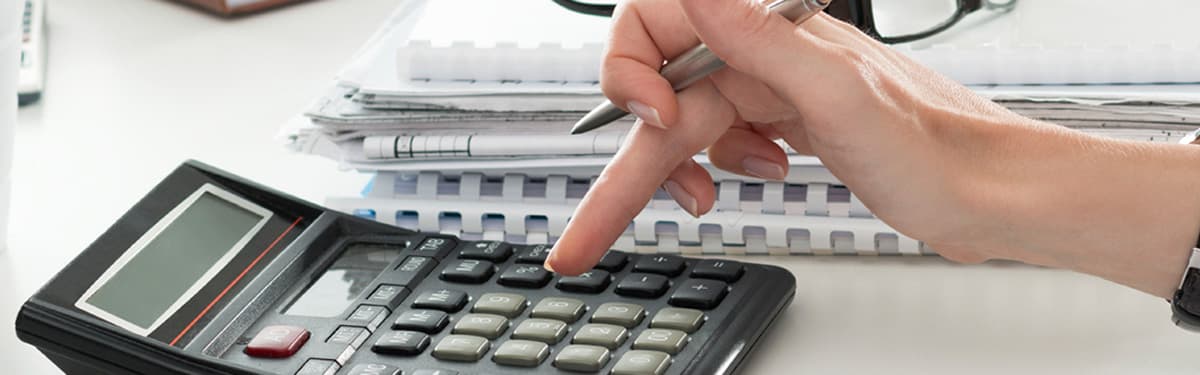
[[859, 13]]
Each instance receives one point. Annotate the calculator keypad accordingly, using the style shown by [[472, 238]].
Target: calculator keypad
[[452, 306]]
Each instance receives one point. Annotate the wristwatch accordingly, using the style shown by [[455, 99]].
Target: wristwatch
[[1185, 304]]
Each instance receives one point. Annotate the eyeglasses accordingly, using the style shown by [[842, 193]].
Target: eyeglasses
[[890, 21]]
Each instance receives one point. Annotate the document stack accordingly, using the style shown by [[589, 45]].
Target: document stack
[[462, 110]]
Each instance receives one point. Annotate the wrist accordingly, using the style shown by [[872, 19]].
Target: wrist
[[1125, 211]]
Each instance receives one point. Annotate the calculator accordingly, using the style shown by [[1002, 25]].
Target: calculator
[[211, 273]]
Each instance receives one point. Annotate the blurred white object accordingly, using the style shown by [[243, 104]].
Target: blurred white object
[[32, 75], [10, 52]]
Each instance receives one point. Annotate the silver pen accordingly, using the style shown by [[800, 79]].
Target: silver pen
[[695, 64]]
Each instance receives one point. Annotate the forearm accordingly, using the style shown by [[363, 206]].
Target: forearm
[[1125, 211]]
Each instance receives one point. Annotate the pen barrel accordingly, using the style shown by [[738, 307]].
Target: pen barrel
[[699, 62]]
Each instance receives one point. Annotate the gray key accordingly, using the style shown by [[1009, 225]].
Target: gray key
[[544, 330], [565, 309], [462, 348], [523, 353], [687, 320], [486, 325], [588, 358], [505, 304], [626, 315], [642, 362], [663, 340], [599, 334]]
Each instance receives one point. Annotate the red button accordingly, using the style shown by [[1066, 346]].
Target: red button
[[277, 342]]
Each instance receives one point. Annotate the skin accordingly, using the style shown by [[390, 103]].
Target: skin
[[935, 161]]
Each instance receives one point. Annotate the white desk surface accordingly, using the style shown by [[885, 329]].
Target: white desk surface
[[137, 86]]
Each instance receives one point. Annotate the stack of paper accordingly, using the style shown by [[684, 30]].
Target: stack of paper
[[474, 93]]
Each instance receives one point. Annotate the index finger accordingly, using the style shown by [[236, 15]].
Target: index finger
[[631, 179]]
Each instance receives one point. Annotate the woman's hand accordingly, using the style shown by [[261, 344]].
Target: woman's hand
[[926, 155]]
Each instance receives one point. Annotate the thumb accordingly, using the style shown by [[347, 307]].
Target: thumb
[[752, 39]]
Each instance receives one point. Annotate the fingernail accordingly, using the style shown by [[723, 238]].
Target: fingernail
[[549, 259], [682, 197], [763, 168], [648, 114]]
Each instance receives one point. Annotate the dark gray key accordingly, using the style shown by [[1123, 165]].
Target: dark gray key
[[699, 294], [583, 358], [521, 353], [412, 270], [613, 261], [533, 254], [666, 265], [469, 271], [401, 343], [643, 285], [373, 369], [594, 281], [318, 367], [461, 348], [718, 269], [436, 247], [428, 321], [370, 316], [524, 276], [492, 251], [642, 362], [388, 295], [446, 300]]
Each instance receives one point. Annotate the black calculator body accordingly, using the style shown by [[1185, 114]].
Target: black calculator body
[[210, 273]]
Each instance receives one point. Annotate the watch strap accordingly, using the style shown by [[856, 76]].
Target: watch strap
[[1186, 304]]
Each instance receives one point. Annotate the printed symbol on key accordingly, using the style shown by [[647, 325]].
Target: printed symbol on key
[[530, 269], [495, 298], [412, 265], [600, 330], [586, 275], [431, 244], [467, 265], [700, 287], [660, 259], [420, 316], [487, 247], [441, 295]]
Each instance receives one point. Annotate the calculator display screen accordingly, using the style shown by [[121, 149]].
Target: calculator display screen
[[344, 280], [172, 261]]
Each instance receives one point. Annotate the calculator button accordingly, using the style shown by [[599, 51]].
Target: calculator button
[[533, 254], [428, 321], [521, 353], [643, 285], [666, 265], [388, 295], [401, 343], [492, 251], [718, 269], [470, 271], [642, 362], [525, 276], [426, 371], [626, 315], [584, 358], [606, 335], [664, 340], [436, 247], [594, 281], [544, 330], [486, 325], [699, 294], [504, 304], [445, 300], [347, 335], [613, 261], [277, 342], [686, 320], [565, 309], [318, 367], [412, 270], [462, 348], [370, 316], [373, 369]]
